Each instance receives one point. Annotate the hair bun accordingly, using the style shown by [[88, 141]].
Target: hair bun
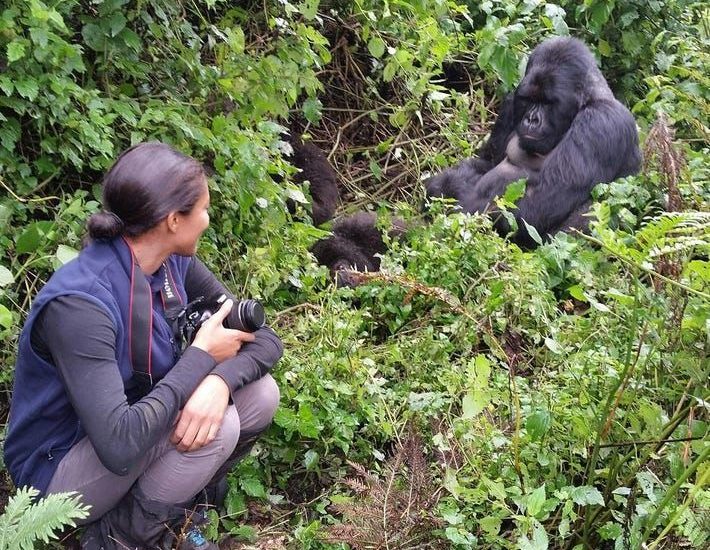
[[105, 225]]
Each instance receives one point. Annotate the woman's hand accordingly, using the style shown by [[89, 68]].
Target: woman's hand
[[201, 417], [220, 342]]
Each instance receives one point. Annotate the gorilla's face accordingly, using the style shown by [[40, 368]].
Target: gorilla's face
[[545, 105]]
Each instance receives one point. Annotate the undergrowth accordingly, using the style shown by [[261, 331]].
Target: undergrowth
[[469, 395]]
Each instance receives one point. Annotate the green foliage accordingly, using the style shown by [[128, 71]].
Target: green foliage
[[25, 520], [560, 394]]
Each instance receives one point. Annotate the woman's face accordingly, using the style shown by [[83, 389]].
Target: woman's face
[[193, 224]]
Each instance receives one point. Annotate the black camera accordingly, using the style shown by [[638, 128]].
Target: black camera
[[246, 315]]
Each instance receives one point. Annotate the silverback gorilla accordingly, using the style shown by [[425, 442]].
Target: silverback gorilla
[[570, 134], [561, 129]]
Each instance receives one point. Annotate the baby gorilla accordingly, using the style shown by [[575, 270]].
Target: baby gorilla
[[354, 245]]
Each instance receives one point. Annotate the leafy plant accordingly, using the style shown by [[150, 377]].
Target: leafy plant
[[27, 520], [560, 393]]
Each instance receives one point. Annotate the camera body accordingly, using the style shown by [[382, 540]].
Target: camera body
[[246, 315]]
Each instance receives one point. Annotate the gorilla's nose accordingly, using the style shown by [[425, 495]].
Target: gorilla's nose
[[533, 118]]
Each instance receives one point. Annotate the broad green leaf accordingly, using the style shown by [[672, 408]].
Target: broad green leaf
[[610, 531], [235, 502], [376, 47], [131, 39], [586, 495], [577, 292], [94, 37], [312, 110], [491, 525], [496, 489], [604, 48], [32, 237], [451, 482], [310, 461], [252, 487], [309, 9], [66, 253], [538, 423], [389, 71], [553, 346], [595, 303], [15, 51], [453, 517], [5, 317], [27, 88], [535, 501], [307, 422], [539, 540], [39, 36], [297, 195], [514, 191], [246, 533], [6, 85], [473, 403], [116, 23], [460, 537], [6, 276], [533, 232]]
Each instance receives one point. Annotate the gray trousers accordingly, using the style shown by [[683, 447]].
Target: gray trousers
[[165, 474]]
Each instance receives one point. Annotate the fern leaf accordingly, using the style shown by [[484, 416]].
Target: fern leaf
[[22, 523], [15, 509], [654, 233]]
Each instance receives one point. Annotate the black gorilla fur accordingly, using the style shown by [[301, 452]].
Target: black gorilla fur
[[354, 244], [323, 180], [564, 113]]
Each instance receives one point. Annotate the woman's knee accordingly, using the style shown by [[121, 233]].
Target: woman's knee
[[257, 403], [270, 396]]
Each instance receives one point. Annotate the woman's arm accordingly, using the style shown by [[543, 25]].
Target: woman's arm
[[255, 358], [120, 433]]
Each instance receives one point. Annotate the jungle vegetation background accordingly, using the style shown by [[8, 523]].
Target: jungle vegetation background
[[471, 395]]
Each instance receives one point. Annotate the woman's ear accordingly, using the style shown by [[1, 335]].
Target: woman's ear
[[172, 221]]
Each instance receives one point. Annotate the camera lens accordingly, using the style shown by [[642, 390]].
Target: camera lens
[[250, 315]]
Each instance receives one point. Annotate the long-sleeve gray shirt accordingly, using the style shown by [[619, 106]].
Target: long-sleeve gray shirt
[[121, 432]]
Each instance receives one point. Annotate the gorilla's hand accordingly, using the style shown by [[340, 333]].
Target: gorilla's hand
[[459, 181]]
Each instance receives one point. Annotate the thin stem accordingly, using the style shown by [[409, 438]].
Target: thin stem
[[704, 455]]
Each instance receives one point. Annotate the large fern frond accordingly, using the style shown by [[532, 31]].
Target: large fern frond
[[25, 521], [674, 232]]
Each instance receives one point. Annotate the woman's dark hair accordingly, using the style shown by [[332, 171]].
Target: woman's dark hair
[[145, 184]]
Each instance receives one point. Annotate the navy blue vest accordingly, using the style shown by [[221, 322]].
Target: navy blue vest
[[43, 425]]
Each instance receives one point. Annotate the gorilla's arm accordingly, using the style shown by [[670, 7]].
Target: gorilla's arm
[[493, 151], [456, 182], [600, 146], [323, 179]]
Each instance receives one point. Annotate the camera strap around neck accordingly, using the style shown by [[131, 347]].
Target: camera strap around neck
[[140, 313]]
